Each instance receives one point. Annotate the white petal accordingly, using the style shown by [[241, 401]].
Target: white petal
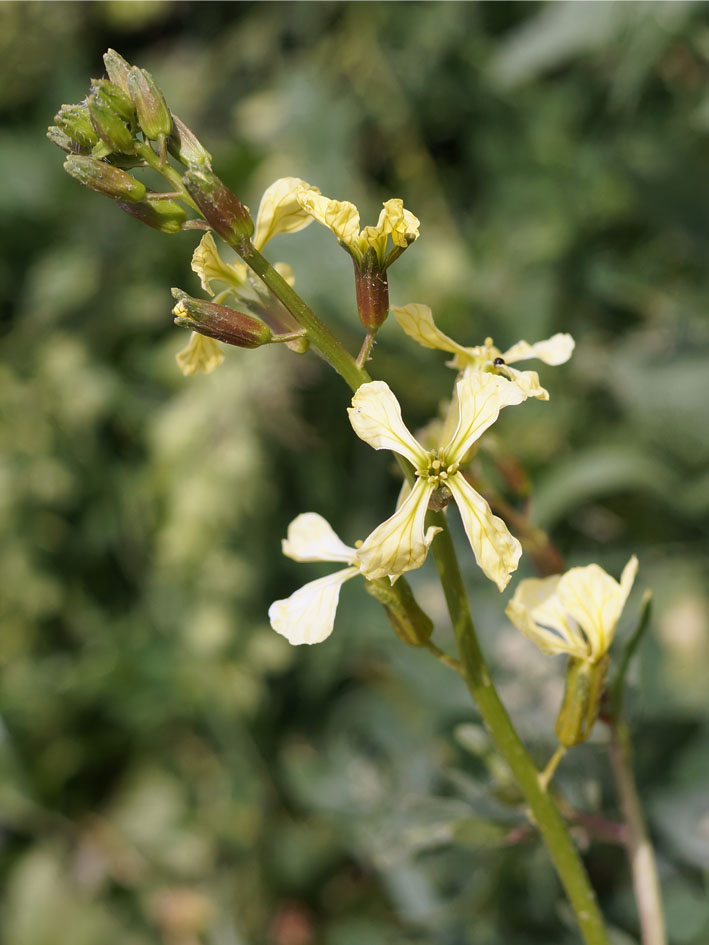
[[481, 396], [528, 382], [417, 321], [555, 350], [375, 416], [595, 600], [496, 551], [280, 211], [399, 544], [537, 611], [310, 538], [308, 615]]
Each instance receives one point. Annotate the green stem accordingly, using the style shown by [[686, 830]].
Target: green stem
[[543, 809], [551, 826], [321, 338], [640, 853]]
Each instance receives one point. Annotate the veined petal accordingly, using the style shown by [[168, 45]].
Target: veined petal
[[209, 265], [340, 216], [375, 416], [528, 382], [555, 350], [311, 538], [536, 610], [280, 211], [308, 615], [595, 600], [417, 321], [496, 551], [399, 544], [201, 354], [481, 396]]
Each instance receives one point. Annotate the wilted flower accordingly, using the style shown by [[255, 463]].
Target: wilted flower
[[202, 354], [417, 321], [401, 543]]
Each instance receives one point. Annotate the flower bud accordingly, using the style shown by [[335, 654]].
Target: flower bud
[[219, 322], [112, 97], [117, 69], [410, 623], [104, 178], [224, 212], [75, 122], [583, 689], [62, 140], [164, 215], [372, 288], [153, 114], [185, 146], [110, 126]]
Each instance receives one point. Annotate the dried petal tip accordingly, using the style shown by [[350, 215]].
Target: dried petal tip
[[153, 114], [104, 178], [224, 212], [218, 321]]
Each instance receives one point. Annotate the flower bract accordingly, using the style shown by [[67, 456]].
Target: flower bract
[[417, 321], [575, 613], [401, 543]]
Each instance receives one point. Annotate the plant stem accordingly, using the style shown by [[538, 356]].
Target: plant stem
[[543, 809], [640, 853], [321, 338], [548, 773], [477, 677], [444, 657]]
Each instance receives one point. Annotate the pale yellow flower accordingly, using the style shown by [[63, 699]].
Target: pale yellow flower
[[280, 211], [210, 267], [574, 613], [342, 218], [401, 543], [417, 321], [308, 615], [201, 354]]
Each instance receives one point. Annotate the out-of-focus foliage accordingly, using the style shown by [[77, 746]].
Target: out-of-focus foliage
[[170, 770]]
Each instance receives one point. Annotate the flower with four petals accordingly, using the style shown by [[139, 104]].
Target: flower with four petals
[[401, 543]]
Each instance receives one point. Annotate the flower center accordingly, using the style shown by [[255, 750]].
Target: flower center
[[437, 470]]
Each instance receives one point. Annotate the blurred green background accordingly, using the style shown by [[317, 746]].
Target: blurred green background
[[171, 771]]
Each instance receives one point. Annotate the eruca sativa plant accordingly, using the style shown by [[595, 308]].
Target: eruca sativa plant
[[125, 125]]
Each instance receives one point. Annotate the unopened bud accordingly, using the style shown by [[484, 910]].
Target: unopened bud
[[372, 289], [222, 210], [104, 178], [410, 623], [62, 140], [110, 126], [114, 98], [218, 321], [75, 122], [164, 215], [185, 146], [582, 695], [153, 114], [117, 69]]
